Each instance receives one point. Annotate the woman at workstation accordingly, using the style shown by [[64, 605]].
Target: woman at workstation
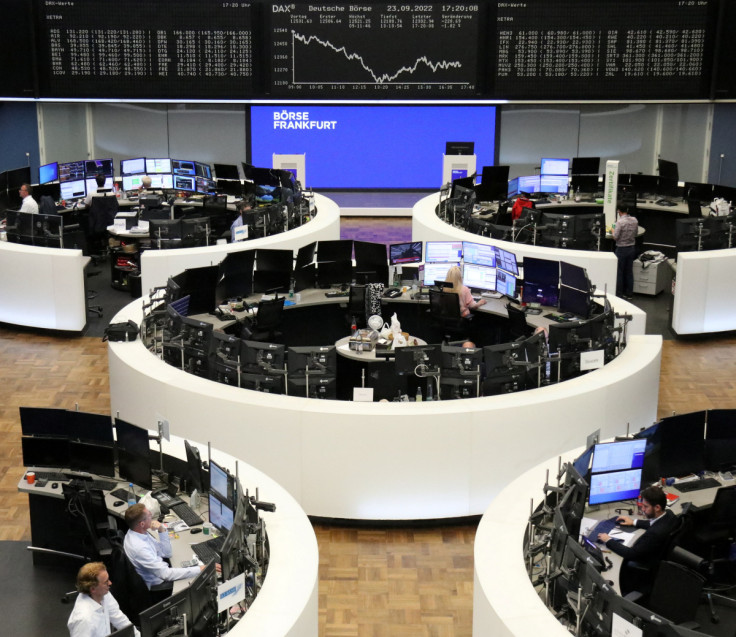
[[455, 276]]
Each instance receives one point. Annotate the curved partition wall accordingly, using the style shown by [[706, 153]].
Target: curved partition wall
[[287, 605], [158, 265], [705, 292], [381, 461], [42, 287], [601, 266]]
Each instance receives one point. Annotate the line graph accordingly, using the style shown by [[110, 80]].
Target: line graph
[[407, 50]]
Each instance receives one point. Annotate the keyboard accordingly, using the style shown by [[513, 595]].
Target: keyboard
[[189, 515], [697, 485], [55, 476], [209, 550], [604, 526], [105, 485], [122, 494]]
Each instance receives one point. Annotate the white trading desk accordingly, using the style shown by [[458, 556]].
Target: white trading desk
[[387, 461], [158, 265], [43, 287], [287, 605]]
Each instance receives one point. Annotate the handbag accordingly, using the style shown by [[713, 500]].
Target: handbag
[[121, 332]]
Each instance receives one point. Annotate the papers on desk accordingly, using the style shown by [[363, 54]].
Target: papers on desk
[[620, 627], [177, 526], [627, 537]]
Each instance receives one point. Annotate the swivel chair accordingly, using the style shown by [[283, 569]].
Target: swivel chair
[[268, 320], [444, 308], [102, 213], [517, 323], [720, 529], [356, 305]]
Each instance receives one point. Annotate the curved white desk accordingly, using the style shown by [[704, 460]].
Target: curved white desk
[[158, 265], [601, 266], [705, 292], [287, 605], [381, 461], [42, 287]]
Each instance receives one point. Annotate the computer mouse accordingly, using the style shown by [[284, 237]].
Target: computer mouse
[[195, 531], [118, 503], [54, 485]]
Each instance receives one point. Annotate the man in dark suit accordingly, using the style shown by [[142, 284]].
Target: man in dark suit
[[649, 549]]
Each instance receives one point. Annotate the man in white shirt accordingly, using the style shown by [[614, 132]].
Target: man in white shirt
[[95, 609], [99, 191], [29, 203], [146, 553]]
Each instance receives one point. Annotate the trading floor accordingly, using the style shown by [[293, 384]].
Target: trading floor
[[373, 581]]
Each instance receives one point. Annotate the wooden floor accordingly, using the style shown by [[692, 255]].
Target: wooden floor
[[373, 582]]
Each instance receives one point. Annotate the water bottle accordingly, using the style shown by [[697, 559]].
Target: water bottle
[[430, 394], [419, 395], [131, 495]]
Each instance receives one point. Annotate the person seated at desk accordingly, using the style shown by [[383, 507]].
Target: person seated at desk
[[100, 190], [146, 553], [242, 208], [660, 523], [29, 203], [455, 276], [95, 609]]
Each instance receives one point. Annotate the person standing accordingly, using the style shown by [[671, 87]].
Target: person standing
[[624, 234], [95, 609]]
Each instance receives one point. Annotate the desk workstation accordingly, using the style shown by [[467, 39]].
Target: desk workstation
[[282, 590], [553, 563]]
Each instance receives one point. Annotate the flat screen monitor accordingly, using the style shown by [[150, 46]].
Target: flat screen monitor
[[574, 276], [369, 254], [162, 181], [682, 444], [408, 359], [90, 184], [204, 186], [463, 188], [71, 171], [169, 613], [202, 598], [644, 184], [479, 254], [506, 283], [136, 166], [133, 182], [461, 361], [221, 514], [668, 169], [94, 167], [305, 255], [158, 165], [45, 452], [236, 273], [268, 259], [226, 171], [574, 301], [614, 486], [720, 439], [183, 167], [459, 148], [541, 281], [585, 183], [401, 253], [581, 464], [552, 166], [195, 473], [494, 175], [618, 456], [701, 192], [319, 359], [184, 182], [89, 427], [585, 165], [221, 484], [257, 357], [506, 260], [48, 173], [96, 459], [434, 272], [443, 252], [44, 421], [513, 189], [557, 184], [203, 170], [73, 189], [134, 461], [479, 277], [334, 251], [529, 183]]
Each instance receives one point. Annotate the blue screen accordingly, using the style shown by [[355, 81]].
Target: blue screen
[[48, 172], [371, 146]]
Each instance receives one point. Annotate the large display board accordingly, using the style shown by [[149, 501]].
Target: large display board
[[496, 49], [145, 49]]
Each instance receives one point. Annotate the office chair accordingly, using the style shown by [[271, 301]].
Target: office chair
[[517, 323], [444, 309], [268, 320], [720, 529], [101, 214], [356, 306]]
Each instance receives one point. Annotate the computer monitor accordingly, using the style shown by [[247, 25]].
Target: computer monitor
[[505, 371], [134, 458], [76, 189], [273, 271], [614, 486], [305, 255], [203, 601], [318, 359], [94, 167], [165, 233], [618, 456], [668, 188], [529, 183], [720, 439], [552, 166], [226, 171], [44, 421], [158, 165], [369, 254], [89, 427], [195, 231], [513, 188], [479, 277], [668, 169], [132, 182], [644, 184], [506, 260], [93, 458], [320, 387], [221, 483], [403, 253], [582, 462], [443, 252], [90, 184], [336, 250], [422, 357], [541, 281], [135, 166], [585, 183], [236, 275], [506, 283], [48, 173], [71, 171], [195, 476], [183, 167], [203, 170], [204, 186], [555, 184], [682, 444], [434, 272], [173, 613], [479, 253], [221, 514], [45, 452], [585, 165], [258, 357], [184, 182], [574, 301], [461, 361]]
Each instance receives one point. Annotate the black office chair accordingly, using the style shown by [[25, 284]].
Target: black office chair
[[719, 530], [444, 308], [268, 320], [88, 512], [356, 306], [517, 323], [102, 213]]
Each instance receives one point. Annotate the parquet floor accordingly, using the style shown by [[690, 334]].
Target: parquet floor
[[406, 582]]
